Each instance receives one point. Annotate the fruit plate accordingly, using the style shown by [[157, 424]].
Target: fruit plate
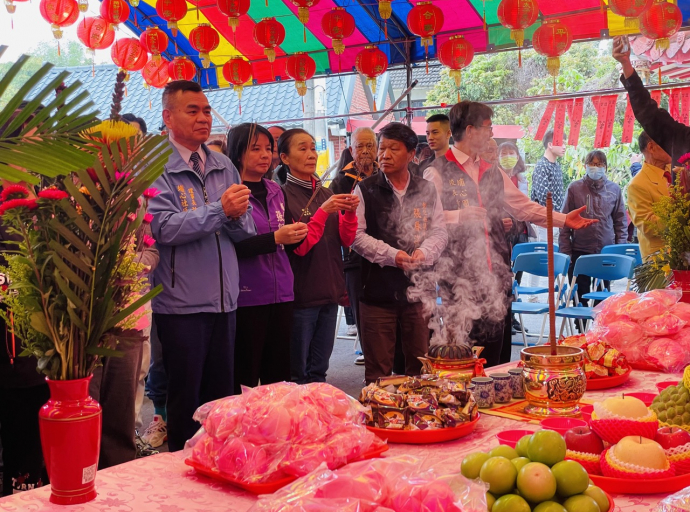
[[608, 382], [269, 487], [651, 486], [438, 435]]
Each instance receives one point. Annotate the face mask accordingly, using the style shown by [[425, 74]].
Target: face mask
[[508, 162], [596, 173]]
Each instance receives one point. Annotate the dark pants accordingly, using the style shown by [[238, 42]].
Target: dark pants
[[22, 457], [380, 327], [584, 283], [198, 354], [353, 284], [114, 386], [313, 336], [157, 381], [262, 344], [490, 335], [349, 315], [507, 348]]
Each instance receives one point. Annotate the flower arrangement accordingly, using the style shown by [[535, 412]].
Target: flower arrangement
[[76, 282]]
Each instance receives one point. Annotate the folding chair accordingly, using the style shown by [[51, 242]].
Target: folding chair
[[536, 263], [632, 250], [519, 249], [605, 267]]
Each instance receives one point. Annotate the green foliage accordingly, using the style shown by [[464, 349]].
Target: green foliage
[[674, 215]]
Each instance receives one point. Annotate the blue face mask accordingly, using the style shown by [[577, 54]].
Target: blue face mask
[[596, 173]]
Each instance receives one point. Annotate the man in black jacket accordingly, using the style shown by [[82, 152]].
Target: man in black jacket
[[400, 227]]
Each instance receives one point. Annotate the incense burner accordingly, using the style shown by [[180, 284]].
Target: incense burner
[[554, 384], [455, 369]]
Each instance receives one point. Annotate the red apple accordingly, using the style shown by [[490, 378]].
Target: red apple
[[670, 437], [582, 439]]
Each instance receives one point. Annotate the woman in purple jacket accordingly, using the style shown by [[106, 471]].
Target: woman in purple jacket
[[264, 312]]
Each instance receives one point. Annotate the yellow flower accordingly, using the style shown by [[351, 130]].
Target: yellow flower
[[666, 268], [111, 131]]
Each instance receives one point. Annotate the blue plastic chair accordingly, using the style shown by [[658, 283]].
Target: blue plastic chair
[[606, 267], [632, 250], [519, 249], [536, 263]]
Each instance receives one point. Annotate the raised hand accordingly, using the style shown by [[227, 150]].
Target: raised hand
[[575, 220]]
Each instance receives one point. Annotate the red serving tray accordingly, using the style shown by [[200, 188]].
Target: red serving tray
[[608, 382], [612, 505], [269, 487], [650, 486], [438, 435]]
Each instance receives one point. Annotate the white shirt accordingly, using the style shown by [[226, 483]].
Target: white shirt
[[186, 154], [378, 251], [515, 202]]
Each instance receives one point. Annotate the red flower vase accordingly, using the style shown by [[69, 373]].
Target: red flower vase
[[70, 424], [681, 281]]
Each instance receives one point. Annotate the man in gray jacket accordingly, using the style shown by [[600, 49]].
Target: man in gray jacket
[[201, 211], [604, 202]]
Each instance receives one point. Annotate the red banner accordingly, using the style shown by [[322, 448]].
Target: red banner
[[575, 116], [628, 123], [545, 120], [606, 111], [559, 122], [656, 96], [685, 106], [674, 103]]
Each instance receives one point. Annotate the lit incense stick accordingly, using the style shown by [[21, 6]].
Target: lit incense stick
[[551, 277]]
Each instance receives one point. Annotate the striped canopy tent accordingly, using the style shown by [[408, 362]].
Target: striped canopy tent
[[586, 19]]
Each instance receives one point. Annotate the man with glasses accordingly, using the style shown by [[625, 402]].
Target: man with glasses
[[474, 274]]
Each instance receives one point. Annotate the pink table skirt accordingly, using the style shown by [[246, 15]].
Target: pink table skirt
[[163, 483]]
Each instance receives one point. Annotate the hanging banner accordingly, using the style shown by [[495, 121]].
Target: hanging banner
[[628, 123], [656, 96], [606, 111], [559, 122], [685, 106], [674, 103], [575, 116], [545, 120]]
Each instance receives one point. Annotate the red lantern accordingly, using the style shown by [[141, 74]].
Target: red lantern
[[171, 11], [95, 33], [630, 10], [269, 33], [11, 8], [59, 13], [338, 24], [233, 9], [238, 72], [114, 11], [154, 41], [128, 54], [552, 40], [518, 15], [303, 9], [425, 20], [372, 63], [661, 21], [456, 53], [204, 39], [300, 67], [156, 73], [181, 68]]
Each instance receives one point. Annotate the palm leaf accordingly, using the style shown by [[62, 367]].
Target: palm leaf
[[119, 317]]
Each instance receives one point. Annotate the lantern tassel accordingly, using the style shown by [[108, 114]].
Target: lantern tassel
[[233, 22], [385, 9], [305, 32], [266, 3], [519, 57], [659, 73], [303, 15], [426, 58], [518, 35], [484, 13], [270, 54], [338, 46], [553, 65], [385, 28], [632, 24], [58, 47], [663, 43], [554, 85], [603, 6], [197, 11]]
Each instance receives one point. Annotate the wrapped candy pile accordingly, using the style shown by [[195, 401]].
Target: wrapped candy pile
[[602, 359], [280, 430], [651, 329], [379, 485]]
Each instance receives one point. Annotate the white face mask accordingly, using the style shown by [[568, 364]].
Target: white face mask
[[596, 173]]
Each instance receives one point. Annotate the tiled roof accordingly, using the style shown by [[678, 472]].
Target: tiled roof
[[399, 77], [264, 103]]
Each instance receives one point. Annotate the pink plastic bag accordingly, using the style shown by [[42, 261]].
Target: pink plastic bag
[[682, 311], [663, 325], [668, 354]]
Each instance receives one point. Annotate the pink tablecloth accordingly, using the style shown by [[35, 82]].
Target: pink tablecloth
[[163, 483]]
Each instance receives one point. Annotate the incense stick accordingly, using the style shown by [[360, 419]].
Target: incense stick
[[317, 187], [551, 277]]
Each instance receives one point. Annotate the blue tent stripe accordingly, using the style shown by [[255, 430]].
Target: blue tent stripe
[[365, 24]]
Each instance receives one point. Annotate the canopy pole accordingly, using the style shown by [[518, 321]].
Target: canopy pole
[[395, 104], [408, 69]]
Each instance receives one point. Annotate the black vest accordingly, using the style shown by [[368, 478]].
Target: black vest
[[403, 227]]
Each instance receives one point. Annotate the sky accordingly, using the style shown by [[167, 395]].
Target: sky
[[31, 30]]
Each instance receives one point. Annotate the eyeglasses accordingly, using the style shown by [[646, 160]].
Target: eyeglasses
[[360, 147], [490, 127]]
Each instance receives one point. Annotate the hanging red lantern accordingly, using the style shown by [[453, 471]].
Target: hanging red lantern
[[11, 8], [372, 63], [338, 24], [269, 33], [181, 68], [233, 9], [171, 11], [238, 72], [661, 21], [154, 41], [128, 54], [518, 15], [456, 53], [300, 67], [204, 39], [156, 73], [630, 10], [425, 20], [552, 40], [59, 13], [95, 33], [114, 11]]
